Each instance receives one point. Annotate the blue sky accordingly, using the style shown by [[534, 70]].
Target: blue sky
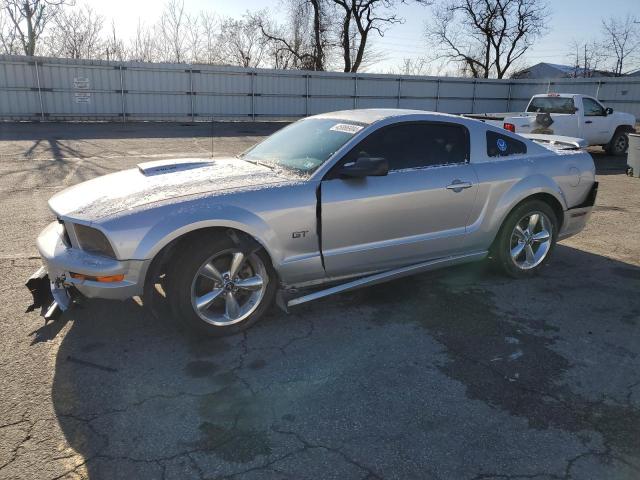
[[571, 19]]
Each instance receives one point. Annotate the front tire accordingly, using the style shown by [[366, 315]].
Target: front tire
[[619, 144], [527, 238], [219, 287]]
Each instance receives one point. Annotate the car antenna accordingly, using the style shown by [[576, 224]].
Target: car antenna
[[211, 136]]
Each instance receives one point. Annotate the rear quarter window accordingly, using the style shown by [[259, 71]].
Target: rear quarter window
[[499, 145]]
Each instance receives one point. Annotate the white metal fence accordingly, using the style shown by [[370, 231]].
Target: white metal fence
[[38, 88]]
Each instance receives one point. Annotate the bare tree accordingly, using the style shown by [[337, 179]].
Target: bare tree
[[113, 46], [586, 57], [357, 19], [486, 36], [301, 41], [142, 48], [241, 42], [77, 34], [8, 35], [172, 30], [209, 24], [621, 40], [412, 66], [30, 17]]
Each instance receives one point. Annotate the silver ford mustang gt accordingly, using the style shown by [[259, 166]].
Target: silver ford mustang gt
[[327, 204]]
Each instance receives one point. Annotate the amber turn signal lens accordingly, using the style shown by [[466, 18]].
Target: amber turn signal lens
[[103, 279]]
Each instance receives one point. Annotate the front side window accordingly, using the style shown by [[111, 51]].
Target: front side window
[[415, 145], [304, 145], [592, 108], [499, 145], [552, 105]]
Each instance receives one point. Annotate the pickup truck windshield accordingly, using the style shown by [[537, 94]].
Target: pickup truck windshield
[[304, 145], [552, 105]]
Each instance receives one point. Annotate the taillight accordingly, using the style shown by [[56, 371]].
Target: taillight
[[510, 126]]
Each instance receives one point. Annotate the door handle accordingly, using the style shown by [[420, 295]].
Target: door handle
[[457, 186], [589, 121]]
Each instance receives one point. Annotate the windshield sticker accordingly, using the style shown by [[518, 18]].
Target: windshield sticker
[[346, 128], [502, 145]]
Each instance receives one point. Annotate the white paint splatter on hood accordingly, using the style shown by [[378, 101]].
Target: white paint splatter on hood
[[165, 180]]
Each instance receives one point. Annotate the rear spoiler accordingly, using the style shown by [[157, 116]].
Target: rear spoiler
[[558, 141]]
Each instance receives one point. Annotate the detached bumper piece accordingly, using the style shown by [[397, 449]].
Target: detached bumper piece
[[52, 298]]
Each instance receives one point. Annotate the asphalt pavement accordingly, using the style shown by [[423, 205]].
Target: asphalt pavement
[[456, 374]]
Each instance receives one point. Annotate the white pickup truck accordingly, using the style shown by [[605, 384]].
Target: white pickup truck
[[570, 115]]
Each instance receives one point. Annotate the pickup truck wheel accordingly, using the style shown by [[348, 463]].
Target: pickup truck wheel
[[220, 289], [619, 144], [527, 239]]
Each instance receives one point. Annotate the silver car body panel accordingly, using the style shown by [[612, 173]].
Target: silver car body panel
[[316, 230]]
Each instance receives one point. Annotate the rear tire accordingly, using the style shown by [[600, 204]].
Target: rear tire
[[619, 144], [526, 240], [219, 287]]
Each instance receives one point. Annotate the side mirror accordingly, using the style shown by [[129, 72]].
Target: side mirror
[[365, 167], [609, 110]]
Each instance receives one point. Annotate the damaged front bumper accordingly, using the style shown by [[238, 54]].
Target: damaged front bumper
[[51, 296], [53, 282]]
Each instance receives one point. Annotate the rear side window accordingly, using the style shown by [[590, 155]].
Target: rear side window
[[552, 105], [415, 145], [499, 145]]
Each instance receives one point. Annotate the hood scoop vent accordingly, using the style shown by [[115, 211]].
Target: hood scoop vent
[[160, 167]]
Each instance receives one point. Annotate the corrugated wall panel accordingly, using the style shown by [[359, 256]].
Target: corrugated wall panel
[[213, 82], [280, 106], [377, 102], [17, 75], [321, 105], [418, 104], [209, 105], [72, 77], [492, 90], [574, 87], [330, 86], [496, 105], [282, 85], [455, 105], [66, 103], [158, 104], [154, 80], [412, 88], [524, 91], [19, 103], [378, 87], [92, 90]]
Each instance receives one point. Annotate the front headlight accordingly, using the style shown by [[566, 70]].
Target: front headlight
[[93, 241]]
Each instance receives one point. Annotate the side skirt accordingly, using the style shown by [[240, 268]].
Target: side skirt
[[387, 276]]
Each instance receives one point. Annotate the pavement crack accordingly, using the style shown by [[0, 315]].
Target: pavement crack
[[371, 474]]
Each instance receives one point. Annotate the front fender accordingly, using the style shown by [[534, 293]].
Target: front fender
[[143, 235]]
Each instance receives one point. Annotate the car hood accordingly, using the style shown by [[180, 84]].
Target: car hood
[[624, 118], [162, 181]]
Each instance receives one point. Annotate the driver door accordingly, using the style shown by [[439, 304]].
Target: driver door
[[417, 212], [595, 126]]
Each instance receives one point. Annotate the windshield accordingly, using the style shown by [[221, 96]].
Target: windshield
[[552, 105], [304, 145]]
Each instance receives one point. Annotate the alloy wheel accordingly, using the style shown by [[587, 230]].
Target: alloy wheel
[[228, 287], [531, 240]]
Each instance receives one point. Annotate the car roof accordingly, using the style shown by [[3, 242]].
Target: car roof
[[372, 115], [559, 95]]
